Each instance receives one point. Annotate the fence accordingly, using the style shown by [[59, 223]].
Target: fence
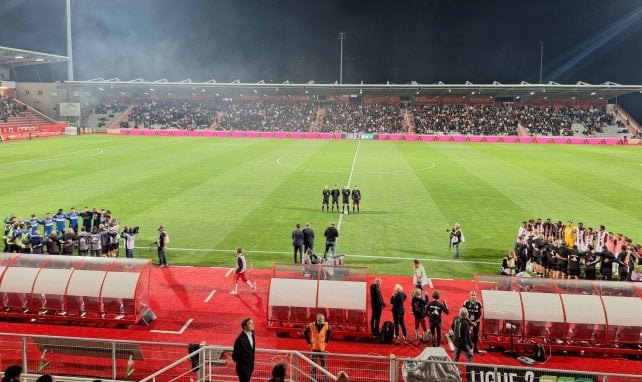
[[82, 359]]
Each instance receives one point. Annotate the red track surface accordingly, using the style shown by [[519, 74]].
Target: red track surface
[[179, 294]]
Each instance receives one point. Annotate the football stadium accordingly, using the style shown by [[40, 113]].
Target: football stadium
[[188, 230]]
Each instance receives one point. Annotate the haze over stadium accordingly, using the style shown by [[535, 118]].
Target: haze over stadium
[[425, 41]]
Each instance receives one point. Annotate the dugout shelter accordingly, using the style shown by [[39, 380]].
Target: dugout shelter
[[74, 288], [571, 315], [298, 292]]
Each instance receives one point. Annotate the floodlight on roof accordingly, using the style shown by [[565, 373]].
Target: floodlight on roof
[[39, 59], [553, 83], [18, 57], [582, 83], [469, 83], [261, 82], [187, 81], [97, 79], [287, 82], [212, 81], [137, 80], [496, 83], [610, 83], [592, 93], [236, 82], [115, 79], [162, 80], [414, 83], [311, 82], [524, 83]]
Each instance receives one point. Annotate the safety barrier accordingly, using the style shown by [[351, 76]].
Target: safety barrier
[[84, 360]]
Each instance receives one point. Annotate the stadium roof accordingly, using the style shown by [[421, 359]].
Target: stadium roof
[[580, 91], [19, 57]]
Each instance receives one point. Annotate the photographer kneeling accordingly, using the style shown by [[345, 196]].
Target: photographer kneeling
[[509, 264], [128, 235]]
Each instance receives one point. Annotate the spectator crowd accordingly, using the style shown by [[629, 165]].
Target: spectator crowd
[[353, 117], [10, 108]]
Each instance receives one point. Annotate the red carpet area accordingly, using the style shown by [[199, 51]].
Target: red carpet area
[[193, 304]]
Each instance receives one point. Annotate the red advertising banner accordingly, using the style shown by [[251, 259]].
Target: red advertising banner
[[34, 131]]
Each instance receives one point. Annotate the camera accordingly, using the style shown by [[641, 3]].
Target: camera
[[131, 230]]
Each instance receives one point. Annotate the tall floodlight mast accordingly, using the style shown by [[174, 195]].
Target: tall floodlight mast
[[342, 37], [541, 59], [70, 61]]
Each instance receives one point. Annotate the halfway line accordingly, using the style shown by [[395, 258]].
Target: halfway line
[[354, 161]]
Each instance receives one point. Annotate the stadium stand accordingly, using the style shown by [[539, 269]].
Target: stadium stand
[[504, 119], [14, 113]]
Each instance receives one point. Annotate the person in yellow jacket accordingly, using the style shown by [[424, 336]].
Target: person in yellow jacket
[[317, 334], [569, 234]]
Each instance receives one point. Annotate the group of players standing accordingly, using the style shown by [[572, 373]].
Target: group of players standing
[[89, 232], [347, 194], [558, 250]]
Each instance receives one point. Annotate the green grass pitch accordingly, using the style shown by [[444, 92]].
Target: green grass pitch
[[213, 195]]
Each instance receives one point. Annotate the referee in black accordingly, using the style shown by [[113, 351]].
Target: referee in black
[[335, 197]]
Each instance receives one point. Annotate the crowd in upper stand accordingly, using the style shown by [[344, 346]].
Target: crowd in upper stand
[[553, 121], [10, 108], [464, 119], [179, 115], [496, 119], [357, 118]]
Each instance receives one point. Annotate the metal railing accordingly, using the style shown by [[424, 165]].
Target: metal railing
[[82, 359]]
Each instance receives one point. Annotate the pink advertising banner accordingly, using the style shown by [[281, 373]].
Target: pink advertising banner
[[381, 137]]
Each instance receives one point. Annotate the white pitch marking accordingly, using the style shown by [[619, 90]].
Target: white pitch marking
[[175, 332], [209, 297], [229, 272], [350, 255], [354, 161], [63, 156]]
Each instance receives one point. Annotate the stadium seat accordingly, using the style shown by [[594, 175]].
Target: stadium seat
[[336, 316], [279, 313], [356, 317], [299, 314]]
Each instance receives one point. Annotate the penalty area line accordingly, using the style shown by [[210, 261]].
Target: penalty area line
[[174, 331]]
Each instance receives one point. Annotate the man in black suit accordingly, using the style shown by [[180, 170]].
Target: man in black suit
[[376, 305], [308, 237], [297, 243], [244, 348]]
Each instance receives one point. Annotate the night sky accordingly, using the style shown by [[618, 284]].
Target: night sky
[[277, 40]]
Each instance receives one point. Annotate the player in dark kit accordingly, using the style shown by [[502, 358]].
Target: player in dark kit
[[345, 203], [326, 199], [356, 198], [335, 197]]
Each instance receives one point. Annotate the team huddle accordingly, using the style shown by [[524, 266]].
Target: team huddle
[[347, 194]]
